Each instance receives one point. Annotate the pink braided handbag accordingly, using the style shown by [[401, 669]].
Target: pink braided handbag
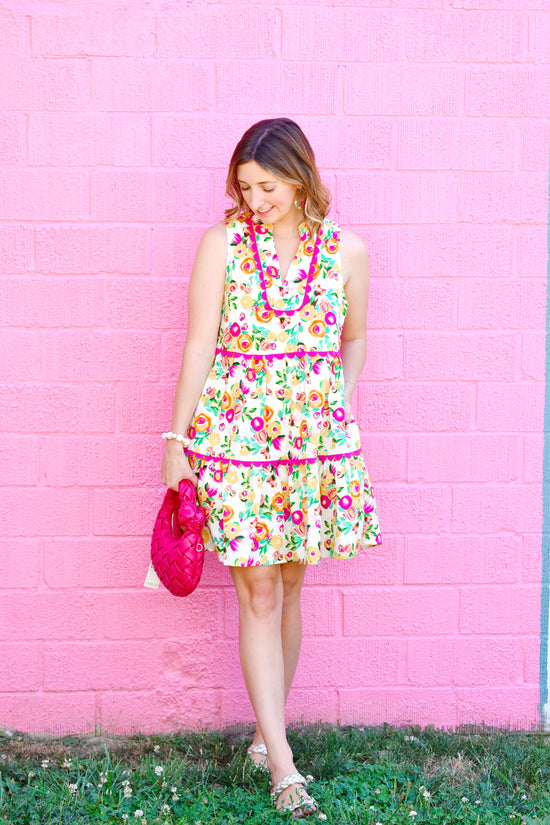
[[177, 550]]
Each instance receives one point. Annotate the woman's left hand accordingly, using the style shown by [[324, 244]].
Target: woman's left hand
[[349, 417]]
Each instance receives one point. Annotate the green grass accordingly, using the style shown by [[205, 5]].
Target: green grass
[[362, 777]]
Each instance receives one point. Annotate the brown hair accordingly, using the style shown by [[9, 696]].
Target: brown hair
[[279, 146]]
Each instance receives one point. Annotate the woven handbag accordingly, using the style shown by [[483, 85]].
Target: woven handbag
[[177, 549]]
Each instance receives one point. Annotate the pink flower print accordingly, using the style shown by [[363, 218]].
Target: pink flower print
[[378, 538], [235, 329], [251, 375], [345, 502], [257, 423], [368, 508], [230, 415], [339, 414], [330, 318], [297, 517], [218, 475], [191, 432], [286, 513], [325, 501], [298, 443]]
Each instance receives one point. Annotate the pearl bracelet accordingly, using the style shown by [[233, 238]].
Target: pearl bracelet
[[185, 442]]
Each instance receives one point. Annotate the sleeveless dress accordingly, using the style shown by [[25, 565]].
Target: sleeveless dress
[[281, 474]]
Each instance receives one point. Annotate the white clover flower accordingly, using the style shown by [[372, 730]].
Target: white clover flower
[[102, 778], [309, 778], [173, 789], [156, 748], [138, 813], [321, 816], [165, 809], [478, 802], [45, 763], [31, 774], [175, 797], [377, 791], [413, 813], [372, 808], [125, 817], [164, 785], [523, 797], [426, 794], [67, 763], [464, 799], [159, 770], [73, 787], [127, 792]]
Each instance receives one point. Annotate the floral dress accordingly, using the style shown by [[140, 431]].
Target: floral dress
[[281, 474]]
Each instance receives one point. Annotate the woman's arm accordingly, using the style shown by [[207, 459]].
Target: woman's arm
[[204, 300], [353, 348]]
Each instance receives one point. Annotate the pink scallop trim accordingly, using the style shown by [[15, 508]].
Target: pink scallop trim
[[267, 462], [259, 267], [297, 354]]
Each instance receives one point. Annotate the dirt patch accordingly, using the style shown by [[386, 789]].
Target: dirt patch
[[33, 748]]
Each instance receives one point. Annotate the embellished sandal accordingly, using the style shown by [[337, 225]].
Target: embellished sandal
[[299, 805], [260, 765]]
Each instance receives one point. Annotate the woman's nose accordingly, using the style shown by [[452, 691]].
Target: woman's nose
[[256, 200]]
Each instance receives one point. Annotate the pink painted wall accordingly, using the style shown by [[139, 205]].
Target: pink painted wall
[[429, 118]]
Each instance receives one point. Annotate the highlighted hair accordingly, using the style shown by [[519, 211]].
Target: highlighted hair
[[279, 146]]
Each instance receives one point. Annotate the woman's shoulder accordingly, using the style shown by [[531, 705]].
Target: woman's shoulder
[[352, 243], [214, 238]]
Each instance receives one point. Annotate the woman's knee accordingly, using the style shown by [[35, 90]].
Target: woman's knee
[[293, 579], [261, 595]]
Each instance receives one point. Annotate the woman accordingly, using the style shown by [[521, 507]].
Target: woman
[[275, 345]]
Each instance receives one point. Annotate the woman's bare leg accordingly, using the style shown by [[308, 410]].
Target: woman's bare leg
[[260, 592], [291, 631]]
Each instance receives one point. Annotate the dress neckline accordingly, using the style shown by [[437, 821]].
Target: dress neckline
[[258, 228]]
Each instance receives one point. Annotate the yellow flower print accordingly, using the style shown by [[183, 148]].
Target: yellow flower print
[[278, 502], [316, 399], [307, 313], [248, 265], [244, 342], [273, 429], [277, 542], [332, 246], [226, 401], [202, 423], [318, 328], [313, 554], [355, 488], [240, 250], [247, 302], [261, 531], [227, 512], [264, 315], [231, 529], [214, 439]]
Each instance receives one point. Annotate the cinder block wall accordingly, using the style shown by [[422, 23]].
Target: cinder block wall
[[430, 122]]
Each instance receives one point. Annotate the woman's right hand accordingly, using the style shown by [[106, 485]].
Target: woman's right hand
[[175, 466]]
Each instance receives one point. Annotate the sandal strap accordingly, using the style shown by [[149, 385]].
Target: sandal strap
[[258, 749], [286, 781]]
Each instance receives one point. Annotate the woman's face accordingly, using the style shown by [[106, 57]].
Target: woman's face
[[269, 197]]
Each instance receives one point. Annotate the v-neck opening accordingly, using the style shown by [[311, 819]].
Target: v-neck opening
[[265, 232], [297, 257]]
